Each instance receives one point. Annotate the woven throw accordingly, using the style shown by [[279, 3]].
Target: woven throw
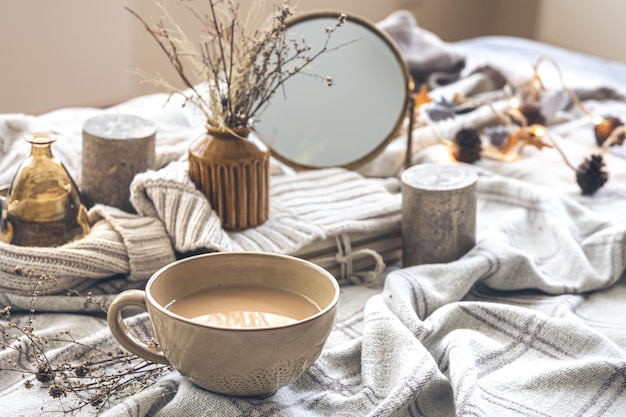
[[529, 323]]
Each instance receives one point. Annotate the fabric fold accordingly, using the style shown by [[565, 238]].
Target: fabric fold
[[147, 245], [118, 243], [429, 59]]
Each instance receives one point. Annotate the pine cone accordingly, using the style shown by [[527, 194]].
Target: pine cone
[[468, 145], [590, 176], [532, 113], [604, 129]]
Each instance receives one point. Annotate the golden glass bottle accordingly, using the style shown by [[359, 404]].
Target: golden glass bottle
[[43, 206]]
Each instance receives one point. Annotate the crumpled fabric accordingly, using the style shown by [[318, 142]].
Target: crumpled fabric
[[429, 59]]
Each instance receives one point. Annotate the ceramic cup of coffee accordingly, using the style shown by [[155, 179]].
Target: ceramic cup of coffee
[[236, 323]]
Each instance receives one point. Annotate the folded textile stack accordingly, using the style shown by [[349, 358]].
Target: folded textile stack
[[356, 257], [309, 211]]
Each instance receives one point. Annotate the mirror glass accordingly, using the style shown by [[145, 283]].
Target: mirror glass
[[310, 125]]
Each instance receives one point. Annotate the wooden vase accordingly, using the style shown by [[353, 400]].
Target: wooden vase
[[232, 169]]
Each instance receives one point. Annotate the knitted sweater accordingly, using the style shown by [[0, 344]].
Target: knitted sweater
[[174, 216]]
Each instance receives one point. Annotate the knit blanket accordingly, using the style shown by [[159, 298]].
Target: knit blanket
[[530, 322]]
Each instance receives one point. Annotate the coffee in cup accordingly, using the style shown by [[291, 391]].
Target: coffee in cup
[[244, 306]]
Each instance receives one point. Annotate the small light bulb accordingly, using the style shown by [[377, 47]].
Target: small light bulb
[[538, 131], [514, 102], [597, 120]]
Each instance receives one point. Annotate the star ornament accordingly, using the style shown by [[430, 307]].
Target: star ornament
[[534, 137], [422, 97]]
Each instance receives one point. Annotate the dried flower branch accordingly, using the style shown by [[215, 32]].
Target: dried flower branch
[[83, 376], [236, 68]]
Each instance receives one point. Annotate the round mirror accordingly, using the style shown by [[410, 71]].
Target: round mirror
[[309, 125]]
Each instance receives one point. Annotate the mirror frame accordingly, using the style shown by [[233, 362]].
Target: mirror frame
[[407, 99]]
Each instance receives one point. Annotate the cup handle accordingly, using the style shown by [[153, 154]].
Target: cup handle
[[124, 335]]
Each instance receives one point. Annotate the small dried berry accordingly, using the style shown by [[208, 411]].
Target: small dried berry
[[82, 370], [44, 373], [56, 391]]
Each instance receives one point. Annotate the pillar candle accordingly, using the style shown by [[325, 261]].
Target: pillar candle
[[438, 213], [116, 147]]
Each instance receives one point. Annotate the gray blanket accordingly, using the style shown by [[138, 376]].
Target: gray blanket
[[529, 323]]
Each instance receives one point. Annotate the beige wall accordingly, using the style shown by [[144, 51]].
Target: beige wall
[[63, 53], [80, 53], [596, 27], [514, 17]]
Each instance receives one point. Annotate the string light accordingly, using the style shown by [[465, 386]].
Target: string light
[[523, 123], [538, 131], [524, 112]]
